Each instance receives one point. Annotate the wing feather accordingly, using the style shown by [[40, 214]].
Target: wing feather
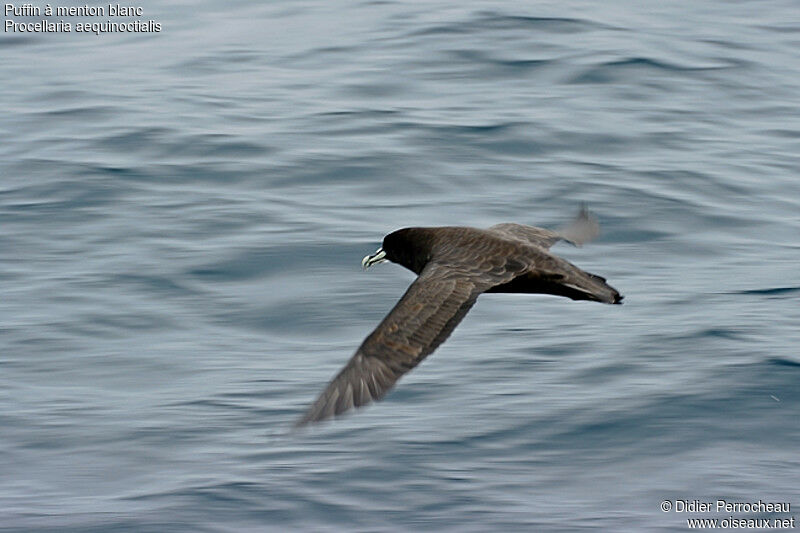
[[581, 230], [424, 317]]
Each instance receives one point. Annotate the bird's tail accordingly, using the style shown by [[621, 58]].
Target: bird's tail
[[582, 285], [568, 280]]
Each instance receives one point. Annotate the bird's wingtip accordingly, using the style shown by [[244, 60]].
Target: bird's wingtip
[[583, 228]]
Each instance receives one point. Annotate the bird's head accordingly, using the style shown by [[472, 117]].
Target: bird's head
[[410, 247]]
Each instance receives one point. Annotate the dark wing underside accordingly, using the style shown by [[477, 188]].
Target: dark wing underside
[[423, 318]]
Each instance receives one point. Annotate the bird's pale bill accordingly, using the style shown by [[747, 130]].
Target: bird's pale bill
[[378, 257]]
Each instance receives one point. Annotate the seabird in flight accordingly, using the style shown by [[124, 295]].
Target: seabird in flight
[[454, 266]]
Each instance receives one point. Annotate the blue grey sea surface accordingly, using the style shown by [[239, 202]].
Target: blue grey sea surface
[[183, 214]]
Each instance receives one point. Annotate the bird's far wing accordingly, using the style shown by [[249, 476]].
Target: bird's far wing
[[424, 317], [581, 230]]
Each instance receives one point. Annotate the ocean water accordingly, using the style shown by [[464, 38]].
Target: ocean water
[[183, 215]]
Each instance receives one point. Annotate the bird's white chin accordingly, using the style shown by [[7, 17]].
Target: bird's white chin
[[378, 257]]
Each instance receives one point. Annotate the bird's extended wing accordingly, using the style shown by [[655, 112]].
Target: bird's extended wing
[[581, 230], [423, 318]]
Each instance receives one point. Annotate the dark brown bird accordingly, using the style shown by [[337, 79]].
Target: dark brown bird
[[454, 265]]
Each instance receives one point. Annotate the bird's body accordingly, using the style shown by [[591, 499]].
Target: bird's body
[[454, 266]]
